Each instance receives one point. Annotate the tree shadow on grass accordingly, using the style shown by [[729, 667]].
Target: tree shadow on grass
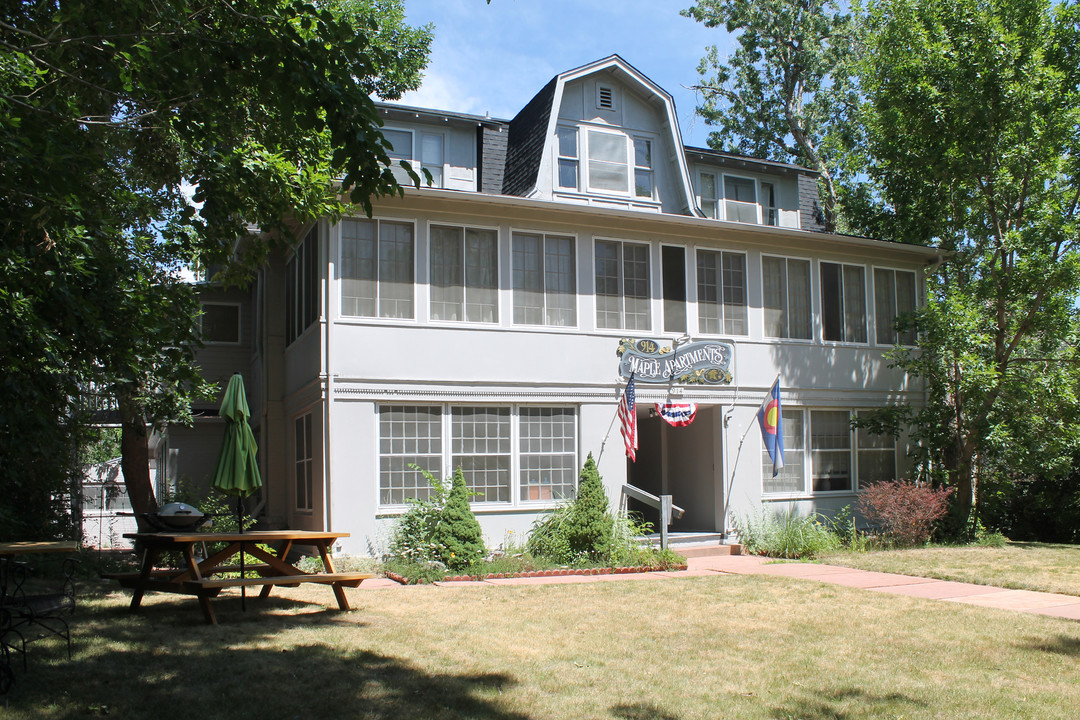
[[845, 703], [154, 666], [641, 711], [1062, 645]]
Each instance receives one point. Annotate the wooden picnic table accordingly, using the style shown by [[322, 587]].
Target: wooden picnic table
[[197, 577]]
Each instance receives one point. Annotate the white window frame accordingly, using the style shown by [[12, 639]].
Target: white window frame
[[583, 162], [379, 297], [465, 287], [547, 274], [440, 462], [889, 325], [203, 304], [843, 301], [714, 199], [856, 447], [752, 204], [640, 169], [568, 160], [418, 157], [787, 337], [621, 281], [724, 321]]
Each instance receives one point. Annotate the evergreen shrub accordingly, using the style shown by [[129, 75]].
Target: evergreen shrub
[[458, 540]]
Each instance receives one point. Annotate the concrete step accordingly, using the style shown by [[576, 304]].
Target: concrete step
[[695, 544], [709, 550]]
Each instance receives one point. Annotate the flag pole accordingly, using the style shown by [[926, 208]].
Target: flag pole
[[738, 454], [611, 424]]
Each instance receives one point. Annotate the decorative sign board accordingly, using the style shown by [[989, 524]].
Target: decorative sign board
[[694, 363]]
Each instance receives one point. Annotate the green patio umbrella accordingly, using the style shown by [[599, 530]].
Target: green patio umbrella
[[237, 471]]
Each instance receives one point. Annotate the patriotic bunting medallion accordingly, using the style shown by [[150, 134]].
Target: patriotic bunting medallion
[[677, 414]]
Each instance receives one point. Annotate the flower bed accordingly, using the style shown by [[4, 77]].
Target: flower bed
[[560, 572]]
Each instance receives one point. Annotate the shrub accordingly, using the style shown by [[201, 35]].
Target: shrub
[[786, 535], [590, 524], [413, 539], [458, 540], [904, 511], [585, 531]]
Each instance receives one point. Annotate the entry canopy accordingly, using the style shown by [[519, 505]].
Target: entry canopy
[[690, 363]]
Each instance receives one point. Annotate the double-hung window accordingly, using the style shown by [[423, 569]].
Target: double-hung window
[[768, 204], [721, 292], [843, 302], [608, 170], [709, 199], [622, 285], [786, 291], [894, 298], [422, 150], [875, 457], [824, 453], [545, 291], [303, 452], [740, 199], [568, 160], [830, 449], [643, 174], [480, 446], [464, 274], [791, 478], [507, 454], [377, 268]]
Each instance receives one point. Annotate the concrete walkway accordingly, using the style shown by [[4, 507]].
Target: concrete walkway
[[1029, 601]]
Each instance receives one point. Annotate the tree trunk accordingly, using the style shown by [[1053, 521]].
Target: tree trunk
[[135, 463]]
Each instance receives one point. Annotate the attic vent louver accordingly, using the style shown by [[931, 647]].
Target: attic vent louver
[[605, 98]]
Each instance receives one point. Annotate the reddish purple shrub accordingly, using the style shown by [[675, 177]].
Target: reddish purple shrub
[[904, 511]]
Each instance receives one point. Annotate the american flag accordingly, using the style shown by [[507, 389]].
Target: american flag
[[628, 420]]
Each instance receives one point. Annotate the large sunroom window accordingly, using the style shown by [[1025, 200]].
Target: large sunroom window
[[464, 274], [509, 455], [622, 285], [377, 268], [545, 291]]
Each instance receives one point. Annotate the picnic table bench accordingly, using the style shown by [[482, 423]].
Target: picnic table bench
[[201, 577]]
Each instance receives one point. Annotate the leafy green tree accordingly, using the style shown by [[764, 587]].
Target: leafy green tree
[[458, 540], [785, 94], [973, 121], [109, 113]]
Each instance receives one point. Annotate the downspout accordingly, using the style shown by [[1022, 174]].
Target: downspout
[[328, 266]]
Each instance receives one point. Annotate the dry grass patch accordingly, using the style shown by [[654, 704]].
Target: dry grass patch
[[1019, 565], [723, 646]]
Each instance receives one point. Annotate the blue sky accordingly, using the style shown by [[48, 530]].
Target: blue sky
[[494, 58]]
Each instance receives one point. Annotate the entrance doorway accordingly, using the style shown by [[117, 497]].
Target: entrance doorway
[[684, 462]]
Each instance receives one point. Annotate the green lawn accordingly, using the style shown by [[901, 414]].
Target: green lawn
[[1021, 565], [704, 647]]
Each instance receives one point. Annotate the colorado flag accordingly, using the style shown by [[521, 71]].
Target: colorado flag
[[772, 431]]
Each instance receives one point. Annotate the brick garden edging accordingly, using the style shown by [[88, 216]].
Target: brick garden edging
[[543, 573]]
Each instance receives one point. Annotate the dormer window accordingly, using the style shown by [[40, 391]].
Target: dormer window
[[568, 158], [603, 161], [643, 176], [607, 162], [605, 97], [422, 150], [740, 199]]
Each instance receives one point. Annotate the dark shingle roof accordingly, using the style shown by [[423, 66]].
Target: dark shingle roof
[[525, 146]]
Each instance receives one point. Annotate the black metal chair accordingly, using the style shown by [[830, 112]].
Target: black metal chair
[[33, 616]]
